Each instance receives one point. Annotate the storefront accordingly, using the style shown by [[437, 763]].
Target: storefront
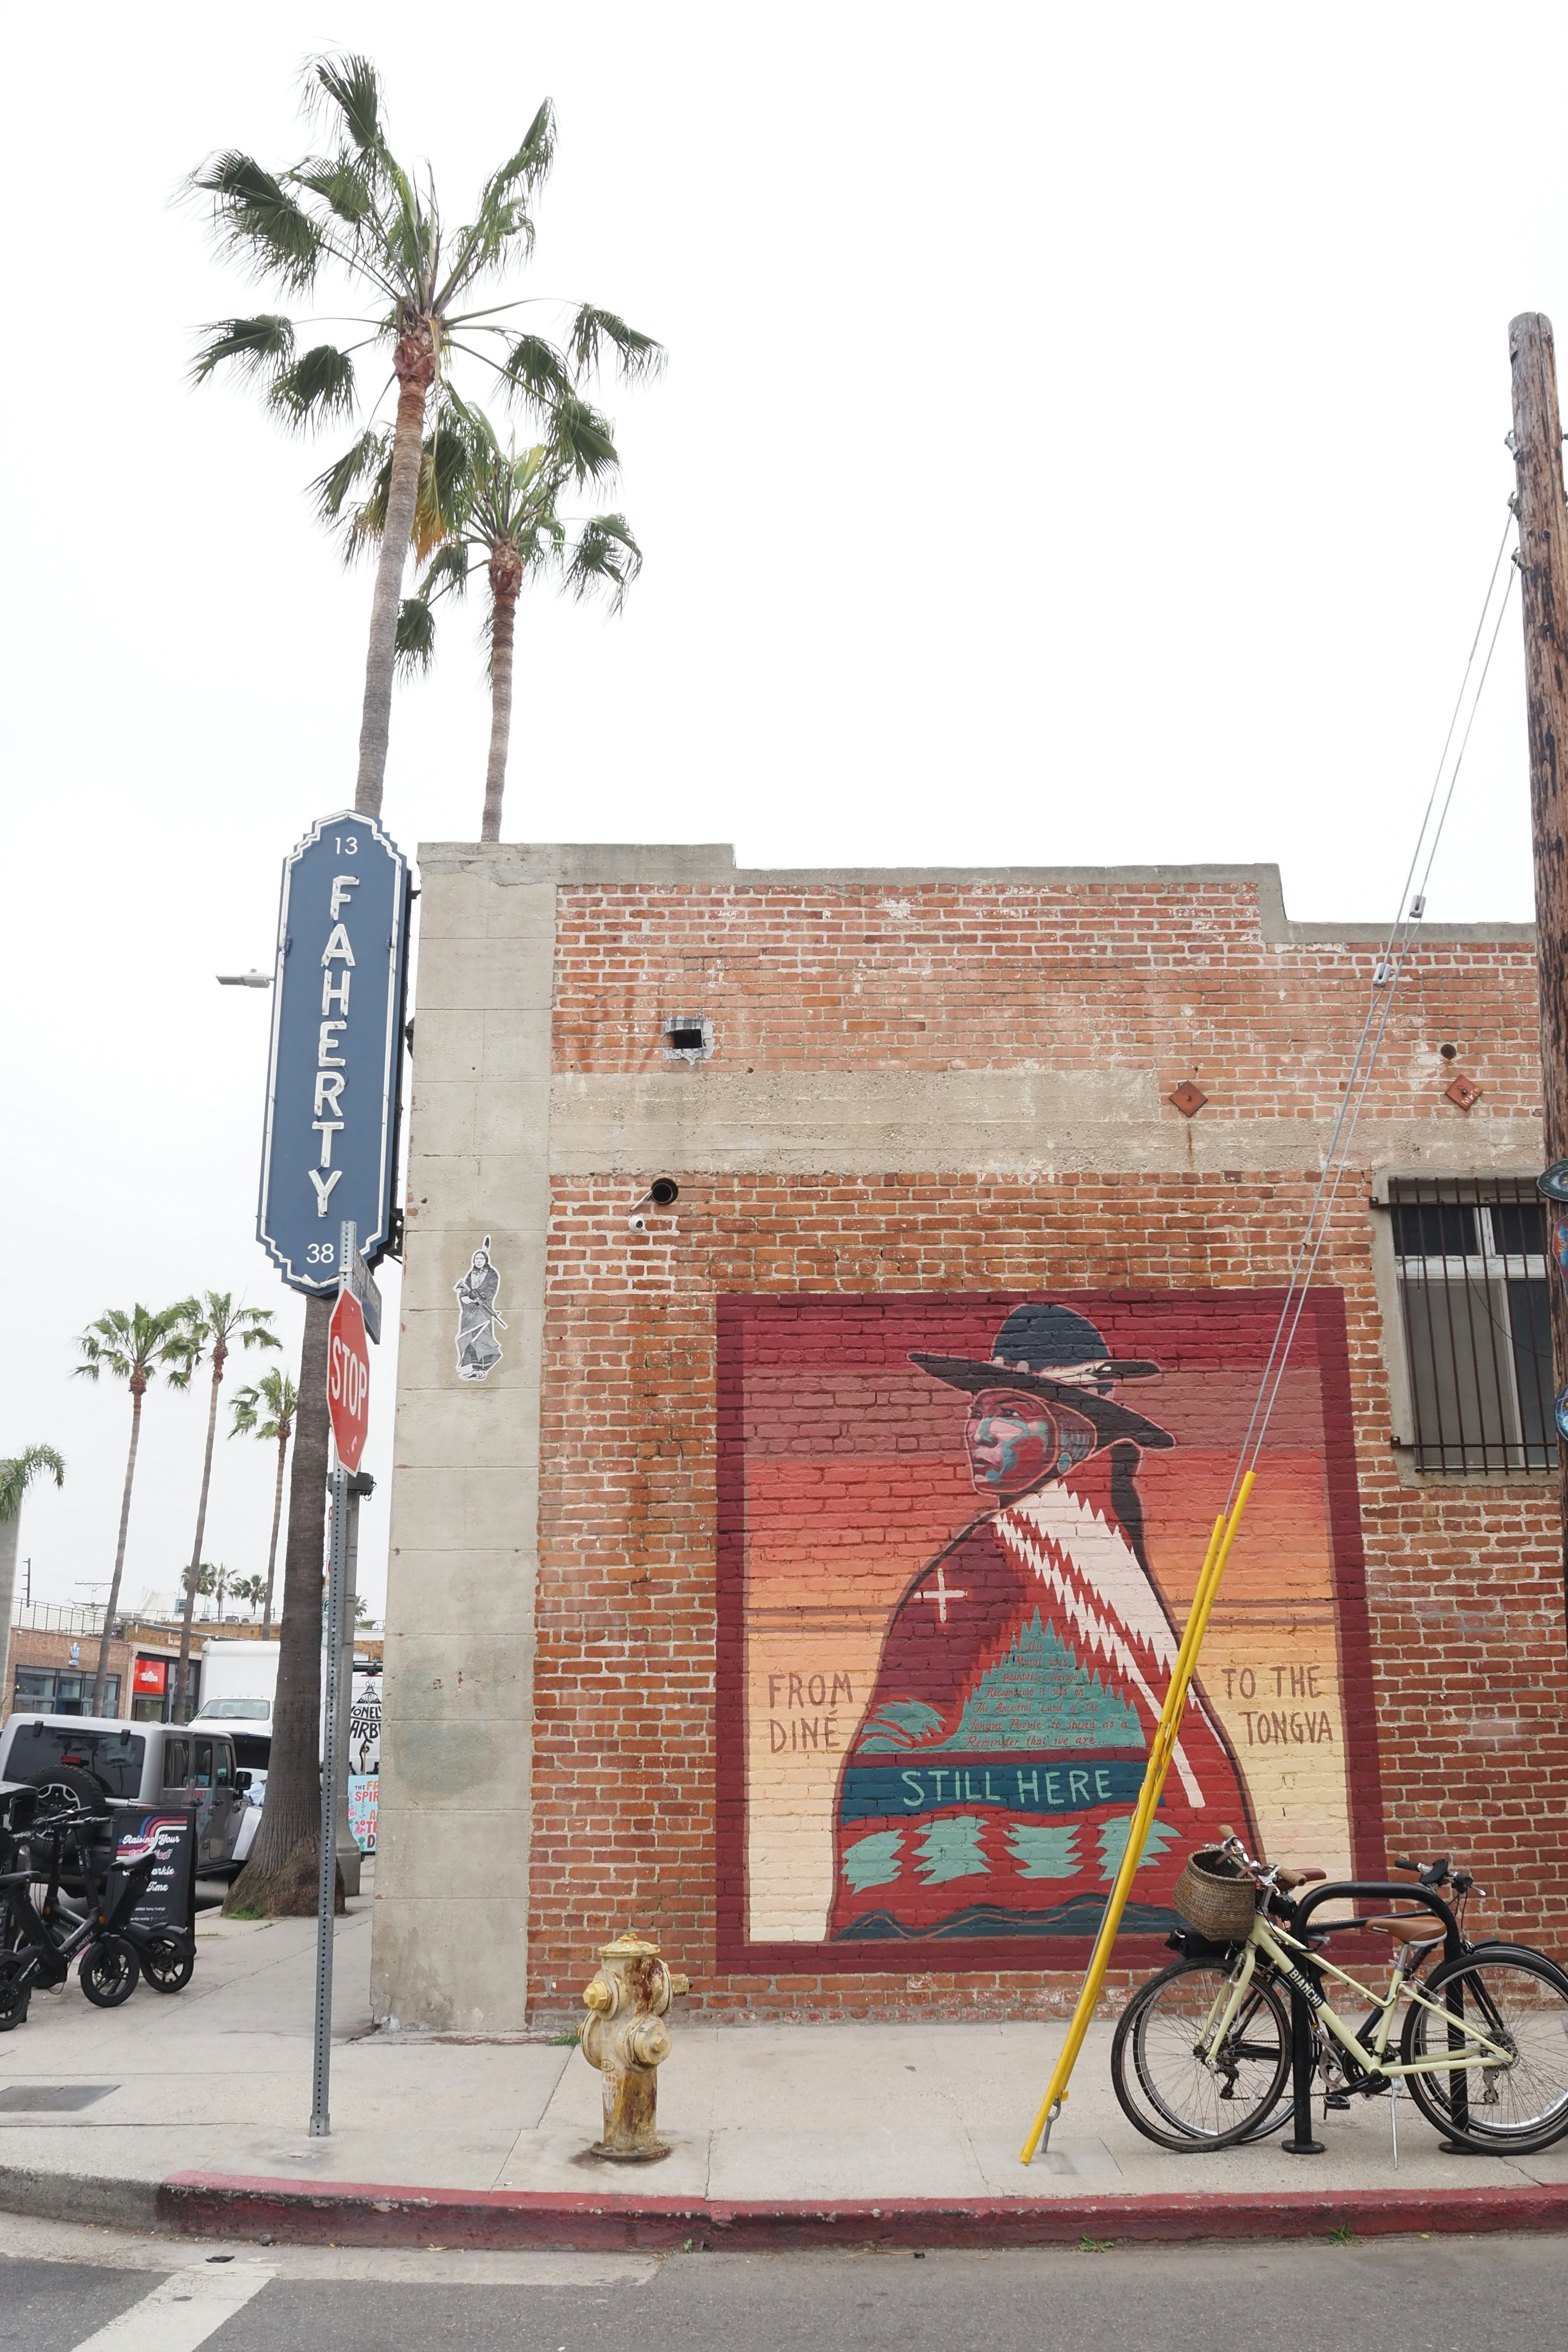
[[52, 1690]]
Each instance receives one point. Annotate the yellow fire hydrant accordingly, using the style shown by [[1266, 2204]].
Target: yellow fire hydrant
[[628, 2040]]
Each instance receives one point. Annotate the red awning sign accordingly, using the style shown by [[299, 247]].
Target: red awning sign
[[149, 1678], [348, 1379]]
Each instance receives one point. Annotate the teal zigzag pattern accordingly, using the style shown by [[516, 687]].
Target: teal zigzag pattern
[[1041, 1696]]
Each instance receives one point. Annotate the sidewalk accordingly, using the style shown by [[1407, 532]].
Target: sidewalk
[[193, 2111]]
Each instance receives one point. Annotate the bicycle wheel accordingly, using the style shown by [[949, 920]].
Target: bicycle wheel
[[1516, 1999], [109, 1971], [1170, 2094], [167, 1963], [16, 1992]]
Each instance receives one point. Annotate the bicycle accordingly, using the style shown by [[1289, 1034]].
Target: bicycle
[[82, 1850], [40, 1939], [1202, 2054]]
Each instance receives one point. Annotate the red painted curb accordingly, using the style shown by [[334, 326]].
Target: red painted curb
[[357, 2214]]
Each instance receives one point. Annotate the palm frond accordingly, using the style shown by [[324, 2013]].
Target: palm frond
[[351, 85], [445, 480], [415, 636], [255, 218], [536, 370], [581, 437], [605, 556], [318, 386], [530, 167], [371, 451], [449, 572], [259, 346], [343, 186], [639, 356], [443, 473], [502, 217], [18, 1474]]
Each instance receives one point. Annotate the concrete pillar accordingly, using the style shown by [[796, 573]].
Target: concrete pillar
[[450, 1919]]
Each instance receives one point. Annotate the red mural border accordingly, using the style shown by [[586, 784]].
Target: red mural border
[[735, 1314]]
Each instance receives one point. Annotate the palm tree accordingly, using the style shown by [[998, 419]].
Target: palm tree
[[267, 1411], [250, 1589], [135, 1347], [214, 1322], [16, 1476], [500, 506], [357, 210]]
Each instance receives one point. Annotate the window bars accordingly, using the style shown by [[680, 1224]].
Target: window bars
[[1475, 1292]]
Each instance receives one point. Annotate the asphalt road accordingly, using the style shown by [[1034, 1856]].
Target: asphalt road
[[59, 2287]]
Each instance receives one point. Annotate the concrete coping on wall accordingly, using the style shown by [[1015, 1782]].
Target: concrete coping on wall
[[677, 864]]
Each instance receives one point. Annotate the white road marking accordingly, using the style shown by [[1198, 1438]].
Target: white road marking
[[182, 2309]]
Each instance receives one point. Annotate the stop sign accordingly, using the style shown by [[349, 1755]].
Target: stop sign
[[348, 1379]]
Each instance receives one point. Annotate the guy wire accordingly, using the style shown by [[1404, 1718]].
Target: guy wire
[[1386, 974]]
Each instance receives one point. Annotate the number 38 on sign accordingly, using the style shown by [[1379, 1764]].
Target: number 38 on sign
[[348, 1379]]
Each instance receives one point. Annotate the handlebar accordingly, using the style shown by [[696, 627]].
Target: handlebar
[[1436, 1874], [1275, 1882]]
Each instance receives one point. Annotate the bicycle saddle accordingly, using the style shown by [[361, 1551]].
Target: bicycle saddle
[[1289, 1878], [1409, 1928]]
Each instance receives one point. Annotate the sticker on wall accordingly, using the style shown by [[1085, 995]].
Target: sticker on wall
[[959, 1539], [479, 1319]]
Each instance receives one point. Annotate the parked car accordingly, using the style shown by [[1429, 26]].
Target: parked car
[[103, 1761]]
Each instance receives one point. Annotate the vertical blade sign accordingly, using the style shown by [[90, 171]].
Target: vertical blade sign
[[348, 1379], [330, 1149]]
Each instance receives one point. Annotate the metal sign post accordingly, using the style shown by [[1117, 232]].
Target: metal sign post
[[349, 1860], [348, 1401]]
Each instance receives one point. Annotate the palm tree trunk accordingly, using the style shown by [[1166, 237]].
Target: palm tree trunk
[[280, 1875], [272, 1547], [184, 1715], [401, 497], [503, 629], [101, 1676]]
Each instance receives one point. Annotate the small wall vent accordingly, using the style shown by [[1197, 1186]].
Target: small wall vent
[[688, 1037]]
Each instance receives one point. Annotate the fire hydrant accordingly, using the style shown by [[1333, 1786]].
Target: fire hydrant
[[628, 2040]]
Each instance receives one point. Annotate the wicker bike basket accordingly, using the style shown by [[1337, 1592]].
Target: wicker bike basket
[[1215, 1897]]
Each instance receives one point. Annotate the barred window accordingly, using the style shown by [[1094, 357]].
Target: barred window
[[1475, 1291]]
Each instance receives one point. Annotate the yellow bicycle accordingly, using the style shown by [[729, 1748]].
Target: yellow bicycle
[[1202, 2054]]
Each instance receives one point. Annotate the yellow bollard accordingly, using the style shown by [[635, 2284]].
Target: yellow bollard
[[1160, 1750]]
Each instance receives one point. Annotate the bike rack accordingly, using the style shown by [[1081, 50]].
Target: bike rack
[[1352, 1890]]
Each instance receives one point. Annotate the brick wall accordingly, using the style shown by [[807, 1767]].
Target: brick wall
[[1464, 1582], [1179, 981]]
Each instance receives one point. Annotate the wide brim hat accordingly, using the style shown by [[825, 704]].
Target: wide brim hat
[[1055, 1353]]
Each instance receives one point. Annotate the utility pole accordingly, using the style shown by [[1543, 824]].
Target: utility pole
[[1543, 567]]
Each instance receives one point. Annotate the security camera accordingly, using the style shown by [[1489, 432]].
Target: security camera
[[637, 1225]]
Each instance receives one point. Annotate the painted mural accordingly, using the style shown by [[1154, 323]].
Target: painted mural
[[958, 1541]]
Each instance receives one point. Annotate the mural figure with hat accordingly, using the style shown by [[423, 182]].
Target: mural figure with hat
[[991, 1786]]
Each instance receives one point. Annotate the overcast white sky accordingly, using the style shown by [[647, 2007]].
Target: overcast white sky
[[1082, 441]]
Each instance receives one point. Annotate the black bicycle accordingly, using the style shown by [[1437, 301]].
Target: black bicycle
[[42, 1936]]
